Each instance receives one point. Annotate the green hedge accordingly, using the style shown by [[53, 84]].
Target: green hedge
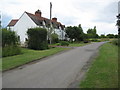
[[37, 38]]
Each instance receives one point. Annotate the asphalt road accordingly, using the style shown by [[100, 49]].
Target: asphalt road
[[57, 71]]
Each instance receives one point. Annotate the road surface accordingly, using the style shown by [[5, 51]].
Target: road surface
[[57, 71]]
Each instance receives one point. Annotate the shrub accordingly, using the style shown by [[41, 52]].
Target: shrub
[[9, 43], [54, 38], [64, 43], [10, 50], [37, 38], [9, 38], [57, 44]]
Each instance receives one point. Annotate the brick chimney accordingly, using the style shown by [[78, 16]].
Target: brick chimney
[[38, 13], [54, 19]]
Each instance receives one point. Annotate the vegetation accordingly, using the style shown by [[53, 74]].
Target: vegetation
[[115, 42], [75, 33], [10, 43], [104, 70], [10, 50], [37, 38], [91, 33], [54, 38], [9, 38], [28, 56], [78, 44], [64, 43]]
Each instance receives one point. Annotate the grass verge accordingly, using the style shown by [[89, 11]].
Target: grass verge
[[77, 44], [27, 56], [103, 73]]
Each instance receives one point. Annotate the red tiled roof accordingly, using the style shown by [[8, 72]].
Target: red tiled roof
[[13, 22], [38, 20]]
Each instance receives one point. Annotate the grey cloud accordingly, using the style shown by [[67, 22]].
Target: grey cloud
[[107, 14]]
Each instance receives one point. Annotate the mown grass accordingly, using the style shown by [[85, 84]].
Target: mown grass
[[104, 70], [27, 56], [77, 44]]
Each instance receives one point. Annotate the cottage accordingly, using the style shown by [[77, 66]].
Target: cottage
[[28, 20]]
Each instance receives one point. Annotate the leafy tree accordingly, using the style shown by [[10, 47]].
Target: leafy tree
[[116, 36], [75, 33], [92, 33], [102, 36], [70, 32], [110, 35], [37, 38]]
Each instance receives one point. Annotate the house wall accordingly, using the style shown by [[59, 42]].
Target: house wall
[[11, 28], [22, 26], [61, 34]]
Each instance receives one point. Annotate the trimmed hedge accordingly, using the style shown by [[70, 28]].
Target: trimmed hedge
[[37, 38]]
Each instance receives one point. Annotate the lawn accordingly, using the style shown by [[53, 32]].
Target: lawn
[[77, 44], [31, 55], [27, 56], [103, 73]]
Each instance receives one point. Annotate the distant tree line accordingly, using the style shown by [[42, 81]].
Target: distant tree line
[[76, 33]]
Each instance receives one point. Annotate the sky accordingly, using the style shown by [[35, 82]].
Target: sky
[[88, 13]]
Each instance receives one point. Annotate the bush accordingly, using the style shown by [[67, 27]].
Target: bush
[[37, 38], [9, 43], [54, 38], [10, 50], [64, 43], [9, 38], [58, 44]]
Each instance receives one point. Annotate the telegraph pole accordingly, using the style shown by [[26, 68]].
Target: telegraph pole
[[50, 22]]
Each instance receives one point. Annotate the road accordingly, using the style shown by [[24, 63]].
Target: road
[[57, 71]]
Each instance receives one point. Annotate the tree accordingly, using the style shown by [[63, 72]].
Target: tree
[[102, 36], [75, 33], [37, 38], [70, 32], [92, 33], [116, 36], [110, 35]]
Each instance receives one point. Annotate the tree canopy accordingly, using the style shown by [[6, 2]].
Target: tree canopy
[[75, 32]]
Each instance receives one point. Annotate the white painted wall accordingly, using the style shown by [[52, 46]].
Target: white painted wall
[[61, 34], [11, 28], [25, 22], [22, 26]]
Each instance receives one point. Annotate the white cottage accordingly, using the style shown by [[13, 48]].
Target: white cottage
[[28, 20]]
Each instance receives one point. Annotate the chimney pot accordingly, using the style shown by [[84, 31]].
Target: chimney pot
[[54, 19], [38, 13]]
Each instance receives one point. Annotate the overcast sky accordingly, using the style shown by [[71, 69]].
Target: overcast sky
[[88, 13]]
